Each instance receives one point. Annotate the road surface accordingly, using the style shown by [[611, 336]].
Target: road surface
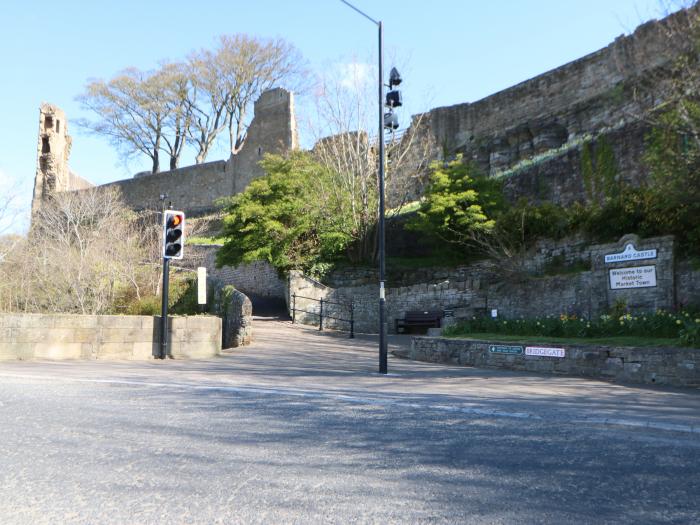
[[298, 428]]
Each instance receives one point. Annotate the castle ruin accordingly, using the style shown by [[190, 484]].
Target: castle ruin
[[532, 135], [194, 189]]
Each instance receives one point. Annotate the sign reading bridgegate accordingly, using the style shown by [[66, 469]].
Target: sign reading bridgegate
[[545, 351], [635, 277]]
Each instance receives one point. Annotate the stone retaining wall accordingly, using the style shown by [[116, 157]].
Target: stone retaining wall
[[62, 336], [661, 366], [479, 289], [258, 278]]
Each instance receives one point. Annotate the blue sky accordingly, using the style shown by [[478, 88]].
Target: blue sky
[[450, 51]]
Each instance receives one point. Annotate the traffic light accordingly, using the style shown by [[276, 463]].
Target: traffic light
[[173, 234]]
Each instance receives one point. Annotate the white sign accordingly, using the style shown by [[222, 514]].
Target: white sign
[[543, 351], [635, 277], [201, 285], [630, 253], [494, 313]]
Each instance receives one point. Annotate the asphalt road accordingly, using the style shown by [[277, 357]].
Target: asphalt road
[[298, 428]]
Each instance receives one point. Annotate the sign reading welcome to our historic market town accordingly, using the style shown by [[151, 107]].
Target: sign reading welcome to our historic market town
[[634, 277], [505, 349], [544, 351], [630, 253]]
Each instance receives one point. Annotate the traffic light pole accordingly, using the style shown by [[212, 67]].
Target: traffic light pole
[[164, 310]]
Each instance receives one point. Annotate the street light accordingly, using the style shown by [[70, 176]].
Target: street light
[[395, 79]]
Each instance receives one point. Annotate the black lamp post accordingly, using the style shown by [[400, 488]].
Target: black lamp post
[[382, 265]]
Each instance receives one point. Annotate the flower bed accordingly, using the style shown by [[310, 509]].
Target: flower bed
[[683, 326]]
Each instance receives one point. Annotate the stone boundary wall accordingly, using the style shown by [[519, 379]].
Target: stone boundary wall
[[661, 366], [63, 336]]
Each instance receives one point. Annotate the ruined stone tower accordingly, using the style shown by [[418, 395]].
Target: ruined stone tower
[[53, 150], [273, 130]]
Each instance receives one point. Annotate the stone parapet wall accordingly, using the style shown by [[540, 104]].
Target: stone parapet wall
[[661, 366], [62, 336]]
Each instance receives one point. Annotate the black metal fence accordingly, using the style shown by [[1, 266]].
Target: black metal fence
[[326, 310]]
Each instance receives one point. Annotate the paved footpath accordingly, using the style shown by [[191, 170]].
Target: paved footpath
[[300, 428]]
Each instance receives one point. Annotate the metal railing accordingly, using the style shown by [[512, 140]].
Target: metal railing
[[325, 315]]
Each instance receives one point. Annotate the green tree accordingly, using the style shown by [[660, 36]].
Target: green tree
[[288, 218], [460, 204]]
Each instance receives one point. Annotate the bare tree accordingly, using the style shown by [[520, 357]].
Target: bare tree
[[132, 111], [345, 114], [84, 250], [226, 80], [161, 110], [176, 83]]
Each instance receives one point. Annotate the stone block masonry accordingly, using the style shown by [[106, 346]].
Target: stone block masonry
[[476, 290], [62, 336], [678, 367]]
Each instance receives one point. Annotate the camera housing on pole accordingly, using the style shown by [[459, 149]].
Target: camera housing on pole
[[393, 100]]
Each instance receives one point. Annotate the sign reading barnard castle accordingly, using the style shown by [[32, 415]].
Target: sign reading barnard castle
[[630, 253]]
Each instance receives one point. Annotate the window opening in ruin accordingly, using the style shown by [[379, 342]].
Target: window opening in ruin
[[45, 145], [58, 126], [48, 122]]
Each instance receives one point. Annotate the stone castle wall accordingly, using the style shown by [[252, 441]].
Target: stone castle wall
[[193, 189], [546, 111], [532, 132]]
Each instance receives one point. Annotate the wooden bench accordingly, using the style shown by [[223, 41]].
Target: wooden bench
[[420, 319]]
